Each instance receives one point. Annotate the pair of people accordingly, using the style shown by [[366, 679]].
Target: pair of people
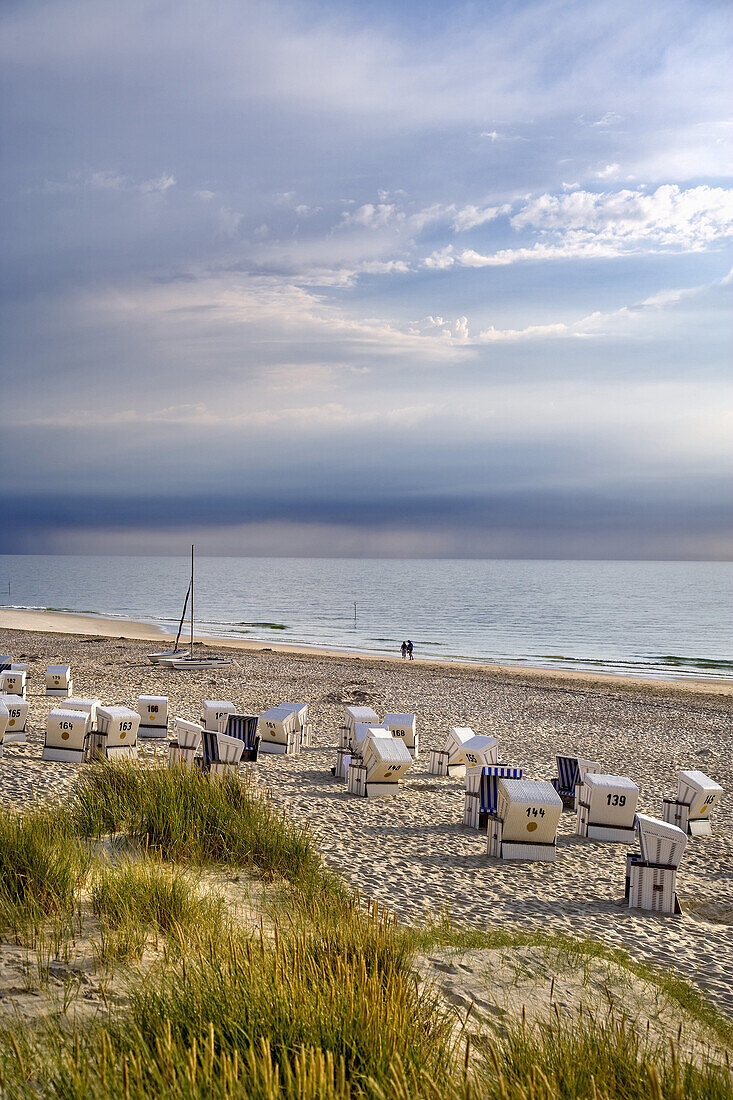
[[407, 650]]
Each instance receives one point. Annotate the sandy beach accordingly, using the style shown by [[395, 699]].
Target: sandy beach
[[412, 853]]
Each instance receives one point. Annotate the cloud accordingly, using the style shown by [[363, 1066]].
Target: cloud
[[107, 179], [472, 216]]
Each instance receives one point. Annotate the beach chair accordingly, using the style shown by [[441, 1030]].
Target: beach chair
[[17, 709], [525, 823], [570, 772], [243, 727], [697, 794], [4, 719], [66, 735], [606, 808], [347, 758], [214, 711], [221, 754], [478, 751], [153, 711], [185, 744], [59, 681], [651, 879], [89, 706], [5, 661], [352, 715], [13, 682], [301, 713], [404, 727], [116, 734], [384, 762], [280, 731], [482, 788], [449, 760]]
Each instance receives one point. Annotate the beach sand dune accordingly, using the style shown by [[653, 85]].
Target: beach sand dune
[[412, 853]]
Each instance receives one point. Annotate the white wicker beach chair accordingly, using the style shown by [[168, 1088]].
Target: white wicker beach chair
[[697, 795], [525, 823], [606, 807], [214, 712], [185, 744], [448, 760], [279, 730], [4, 718], [153, 711], [385, 761], [13, 682], [651, 881], [17, 708], [59, 681], [88, 706], [404, 726], [352, 716], [479, 751], [116, 735], [66, 735]]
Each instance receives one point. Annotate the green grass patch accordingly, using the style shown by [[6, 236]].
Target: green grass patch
[[42, 868], [182, 816], [139, 897]]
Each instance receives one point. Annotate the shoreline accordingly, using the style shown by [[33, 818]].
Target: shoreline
[[99, 626]]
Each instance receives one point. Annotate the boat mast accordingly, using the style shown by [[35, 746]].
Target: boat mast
[[192, 602]]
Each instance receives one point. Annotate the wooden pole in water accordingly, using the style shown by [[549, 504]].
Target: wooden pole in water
[[354, 612]]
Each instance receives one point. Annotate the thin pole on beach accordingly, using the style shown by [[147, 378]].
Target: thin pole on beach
[[354, 612], [192, 601]]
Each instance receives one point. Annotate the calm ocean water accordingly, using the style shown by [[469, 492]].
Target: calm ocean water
[[644, 618]]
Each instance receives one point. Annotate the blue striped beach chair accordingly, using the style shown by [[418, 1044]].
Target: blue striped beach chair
[[210, 749], [244, 728], [5, 662], [570, 772], [481, 792], [568, 777], [221, 753]]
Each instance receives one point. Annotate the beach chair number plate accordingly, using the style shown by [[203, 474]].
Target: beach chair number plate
[[532, 811], [616, 799], [125, 727]]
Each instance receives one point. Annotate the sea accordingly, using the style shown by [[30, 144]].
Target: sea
[[641, 618]]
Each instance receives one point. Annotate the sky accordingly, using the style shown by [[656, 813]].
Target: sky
[[367, 279]]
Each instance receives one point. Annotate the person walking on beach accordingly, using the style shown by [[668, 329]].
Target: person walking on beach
[[409, 650], [404, 650]]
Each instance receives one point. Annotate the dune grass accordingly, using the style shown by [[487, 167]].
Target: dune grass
[[42, 868], [182, 816], [139, 897]]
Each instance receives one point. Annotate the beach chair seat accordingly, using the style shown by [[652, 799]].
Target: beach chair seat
[[570, 772], [17, 708], [221, 754], [244, 728], [481, 794], [352, 715], [66, 735], [89, 706], [404, 726], [59, 681], [606, 808], [697, 795], [385, 761], [13, 681], [448, 760], [115, 737], [214, 712], [153, 711], [525, 823]]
